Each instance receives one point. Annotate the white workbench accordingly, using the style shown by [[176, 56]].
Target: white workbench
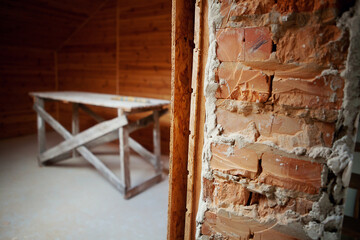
[[106, 130]]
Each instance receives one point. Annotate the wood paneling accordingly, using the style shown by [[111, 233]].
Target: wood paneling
[[128, 54], [106, 46], [86, 62], [42, 23], [30, 33], [144, 57], [22, 70]]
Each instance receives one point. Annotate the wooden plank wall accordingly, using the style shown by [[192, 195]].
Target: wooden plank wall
[[111, 46], [144, 57], [22, 70], [43, 24], [86, 62], [30, 32], [123, 49]]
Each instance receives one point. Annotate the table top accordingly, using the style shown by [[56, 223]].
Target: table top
[[126, 103]]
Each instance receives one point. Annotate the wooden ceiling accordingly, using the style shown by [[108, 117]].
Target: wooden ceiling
[[42, 23]]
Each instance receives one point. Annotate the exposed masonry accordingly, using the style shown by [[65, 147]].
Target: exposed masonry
[[303, 210]]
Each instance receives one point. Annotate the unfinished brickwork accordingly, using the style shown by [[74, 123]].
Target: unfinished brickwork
[[282, 99]]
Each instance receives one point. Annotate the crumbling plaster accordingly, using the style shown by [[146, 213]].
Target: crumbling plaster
[[325, 218]]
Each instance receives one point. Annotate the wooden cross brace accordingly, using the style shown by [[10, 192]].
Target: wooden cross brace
[[104, 131]]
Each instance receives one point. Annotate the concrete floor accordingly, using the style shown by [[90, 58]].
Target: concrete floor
[[72, 200]]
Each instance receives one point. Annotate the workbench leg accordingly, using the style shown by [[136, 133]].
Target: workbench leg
[[41, 130], [124, 155], [157, 142], [75, 124]]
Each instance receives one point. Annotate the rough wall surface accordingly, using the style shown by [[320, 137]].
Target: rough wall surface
[[282, 99]]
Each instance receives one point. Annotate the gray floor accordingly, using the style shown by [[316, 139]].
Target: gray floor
[[71, 200]]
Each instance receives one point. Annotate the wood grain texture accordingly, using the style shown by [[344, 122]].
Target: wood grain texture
[[197, 118], [30, 31], [182, 54], [144, 58], [23, 70], [123, 49], [42, 24], [111, 46], [86, 62]]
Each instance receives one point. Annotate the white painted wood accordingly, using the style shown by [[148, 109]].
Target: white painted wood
[[41, 129], [143, 186], [127, 104], [103, 132], [124, 154], [104, 139], [157, 142], [75, 123], [111, 177], [84, 137]]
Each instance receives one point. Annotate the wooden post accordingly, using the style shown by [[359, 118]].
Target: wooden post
[[157, 143], [182, 45], [124, 155], [75, 124], [41, 130]]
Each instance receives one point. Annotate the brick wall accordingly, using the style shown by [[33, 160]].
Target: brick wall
[[277, 147]]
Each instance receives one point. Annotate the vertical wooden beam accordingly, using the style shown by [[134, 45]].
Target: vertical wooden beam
[[117, 53], [124, 155], [56, 72], [41, 129], [157, 142], [75, 123], [181, 56], [197, 117]]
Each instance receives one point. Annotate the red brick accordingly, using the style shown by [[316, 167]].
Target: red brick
[[291, 173], [279, 128], [266, 123], [327, 131], [298, 205], [227, 193], [230, 9], [232, 122], [290, 70], [309, 93], [240, 84], [258, 44], [288, 6], [242, 162], [230, 44], [239, 44], [208, 188], [325, 50], [234, 227]]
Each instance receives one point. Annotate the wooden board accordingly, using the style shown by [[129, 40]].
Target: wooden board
[[23, 70], [125, 103], [144, 48], [182, 52], [42, 23], [197, 119], [111, 46], [123, 49]]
